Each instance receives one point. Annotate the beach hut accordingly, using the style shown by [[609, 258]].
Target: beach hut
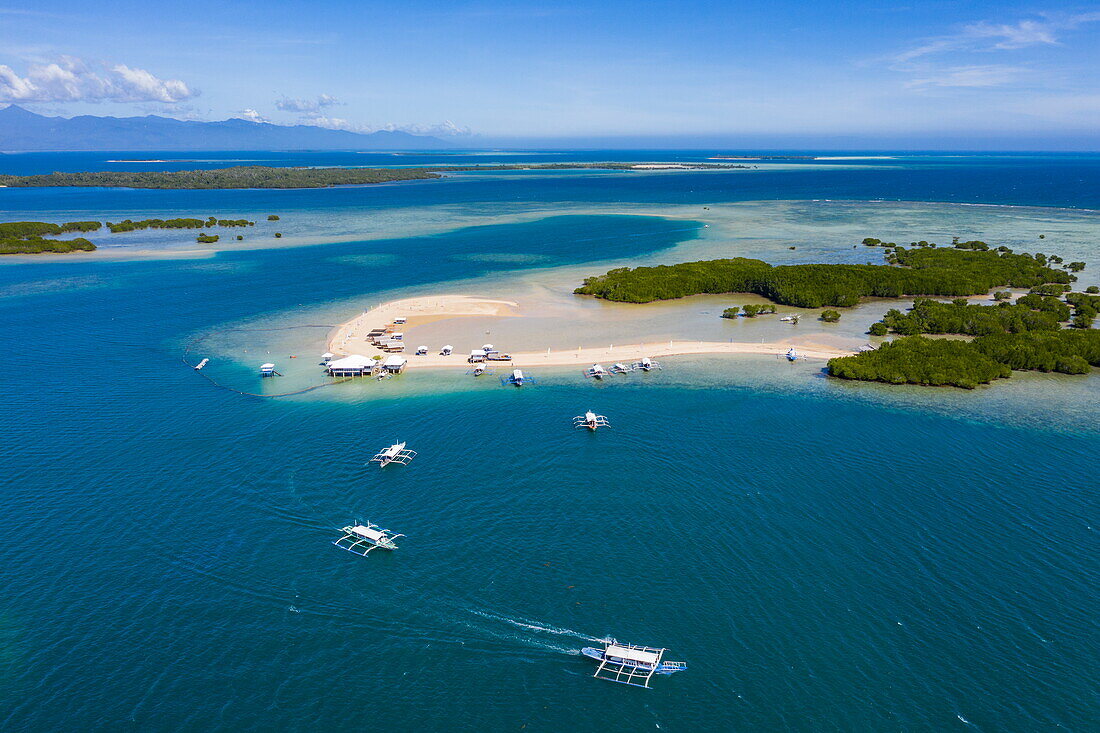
[[400, 319], [327, 357], [350, 366], [268, 370], [476, 355], [394, 364], [421, 350]]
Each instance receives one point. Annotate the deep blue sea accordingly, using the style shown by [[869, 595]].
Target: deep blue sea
[[825, 557]]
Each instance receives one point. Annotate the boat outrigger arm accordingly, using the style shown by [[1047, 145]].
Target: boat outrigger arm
[[360, 539], [396, 453], [630, 664]]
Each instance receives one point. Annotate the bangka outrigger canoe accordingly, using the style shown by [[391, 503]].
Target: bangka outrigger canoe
[[630, 664], [396, 453], [360, 539], [591, 421]]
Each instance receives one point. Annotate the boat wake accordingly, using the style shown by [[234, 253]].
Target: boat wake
[[539, 628]]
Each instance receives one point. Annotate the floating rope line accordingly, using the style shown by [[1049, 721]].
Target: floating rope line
[[191, 344]]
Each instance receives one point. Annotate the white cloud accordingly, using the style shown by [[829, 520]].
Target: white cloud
[[306, 105], [442, 129], [986, 36], [251, 115], [329, 123], [929, 65], [990, 75], [72, 80]]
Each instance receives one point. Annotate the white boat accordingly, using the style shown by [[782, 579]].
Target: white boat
[[360, 539], [630, 664], [596, 371], [396, 453], [517, 379], [619, 368], [591, 421], [646, 364], [201, 364]]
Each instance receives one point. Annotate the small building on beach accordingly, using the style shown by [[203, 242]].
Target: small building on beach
[[351, 366], [394, 364]]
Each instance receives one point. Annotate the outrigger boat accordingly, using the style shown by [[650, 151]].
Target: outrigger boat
[[619, 368], [479, 369], [396, 453], [516, 378], [360, 539], [630, 664], [792, 355], [591, 421], [646, 364], [596, 371]]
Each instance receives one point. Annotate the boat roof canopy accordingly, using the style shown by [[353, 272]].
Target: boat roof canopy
[[635, 655], [368, 532]]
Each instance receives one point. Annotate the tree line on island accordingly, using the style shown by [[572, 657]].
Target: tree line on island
[[920, 271], [27, 237], [258, 176], [1025, 335]]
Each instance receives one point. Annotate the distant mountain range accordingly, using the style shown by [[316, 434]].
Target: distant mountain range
[[21, 130]]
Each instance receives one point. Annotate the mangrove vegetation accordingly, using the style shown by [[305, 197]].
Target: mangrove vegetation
[[922, 271]]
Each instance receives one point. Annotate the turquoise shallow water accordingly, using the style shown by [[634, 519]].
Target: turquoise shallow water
[[824, 557]]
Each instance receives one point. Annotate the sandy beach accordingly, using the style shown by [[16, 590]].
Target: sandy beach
[[351, 338]]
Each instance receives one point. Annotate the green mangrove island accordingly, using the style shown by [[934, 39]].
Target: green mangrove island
[[1026, 335], [27, 237], [258, 176]]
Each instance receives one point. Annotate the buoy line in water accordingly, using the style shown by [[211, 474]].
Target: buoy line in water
[[198, 339]]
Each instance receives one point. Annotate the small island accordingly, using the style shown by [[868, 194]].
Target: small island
[[258, 176], [1026, 335], [27, 237]]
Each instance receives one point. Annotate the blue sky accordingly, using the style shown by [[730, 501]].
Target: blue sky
[[568, 69]]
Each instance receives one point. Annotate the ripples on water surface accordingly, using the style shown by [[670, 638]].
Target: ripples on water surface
[[824, 557]]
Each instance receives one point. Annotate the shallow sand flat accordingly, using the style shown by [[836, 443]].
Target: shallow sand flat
[[351, 337], [585, 357]]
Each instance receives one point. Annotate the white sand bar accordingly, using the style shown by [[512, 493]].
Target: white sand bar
[[351, 337]]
